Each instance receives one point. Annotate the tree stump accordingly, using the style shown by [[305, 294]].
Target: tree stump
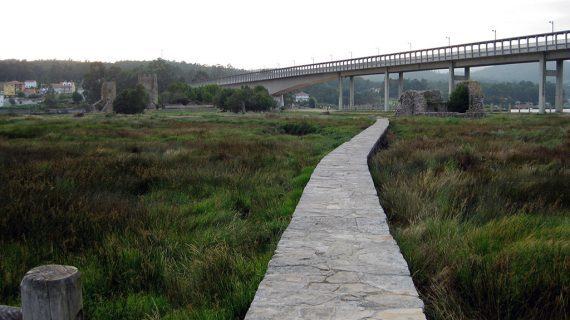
[[52, 292]]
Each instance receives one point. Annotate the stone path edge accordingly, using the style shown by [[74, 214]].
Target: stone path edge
[[337, 258]]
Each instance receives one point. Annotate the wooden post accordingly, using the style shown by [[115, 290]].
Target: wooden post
[[52, 292]]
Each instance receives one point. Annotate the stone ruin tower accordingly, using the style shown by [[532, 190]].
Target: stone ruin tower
[[150, 83], [108, 96], [476, 98]]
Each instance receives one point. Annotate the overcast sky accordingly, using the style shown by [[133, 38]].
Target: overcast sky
[[259, 33]]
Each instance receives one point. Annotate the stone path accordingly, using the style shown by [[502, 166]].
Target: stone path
[[337, 259]]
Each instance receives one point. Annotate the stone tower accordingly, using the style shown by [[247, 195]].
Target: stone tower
[[150, 83]]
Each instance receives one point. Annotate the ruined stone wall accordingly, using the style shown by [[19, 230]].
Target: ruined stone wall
[[150, 83], [476, 98], [108, 96], [414, 102]]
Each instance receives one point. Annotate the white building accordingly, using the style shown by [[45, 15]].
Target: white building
[[1, 100], [30, 84], [301, 97]]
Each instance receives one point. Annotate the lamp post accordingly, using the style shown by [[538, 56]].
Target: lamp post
[[448, 40], [313, 58], [378, 51], [410, 45], [495, 32], [552, 25]]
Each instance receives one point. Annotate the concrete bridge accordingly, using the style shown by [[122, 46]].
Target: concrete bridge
[[539, 48]]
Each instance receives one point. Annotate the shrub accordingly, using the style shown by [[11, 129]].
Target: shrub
[[298, 129], [50, 100], [76, 97], [312, 102], [244, 99], [131, 101], [459, 99]]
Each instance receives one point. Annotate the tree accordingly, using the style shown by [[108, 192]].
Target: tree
[[20, 94], [92, 81], [50, 100], [244, 99], [76, 97], [165, 72], [459, 99], [312, 102], [131, 101], [12, 101], [178, 93]]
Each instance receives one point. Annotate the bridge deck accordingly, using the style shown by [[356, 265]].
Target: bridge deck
[[337, 259], [500, 51]]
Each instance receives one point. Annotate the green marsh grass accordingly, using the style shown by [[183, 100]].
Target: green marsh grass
[[481, 212], [170, 215]]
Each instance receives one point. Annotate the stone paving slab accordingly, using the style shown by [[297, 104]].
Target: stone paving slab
[[337, 259]]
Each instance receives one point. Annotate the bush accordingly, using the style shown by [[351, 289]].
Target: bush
[[298, 129], [244, 99], [76, 97], [12, 101], [312, 102], [459, 99], [50, 100], [131, 101]]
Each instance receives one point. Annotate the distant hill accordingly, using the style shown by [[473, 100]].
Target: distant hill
[[515, 73]]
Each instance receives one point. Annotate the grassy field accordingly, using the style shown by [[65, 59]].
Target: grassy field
[[170, 215], [481, 211]]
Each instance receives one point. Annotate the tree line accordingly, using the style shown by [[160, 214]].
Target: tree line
[[124, 72], [242, 99]]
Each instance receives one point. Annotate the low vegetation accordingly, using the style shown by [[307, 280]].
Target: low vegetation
[[131, 101], [481, 211], [167, 215]]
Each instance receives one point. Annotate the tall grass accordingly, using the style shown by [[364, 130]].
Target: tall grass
[[481, 211], [167, 215]]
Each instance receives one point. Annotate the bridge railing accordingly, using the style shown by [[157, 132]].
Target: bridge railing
[[500, 47]]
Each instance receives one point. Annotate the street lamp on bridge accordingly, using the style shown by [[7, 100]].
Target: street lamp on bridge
[[410, 45], [552, 24], [448, 40], [495, 32]]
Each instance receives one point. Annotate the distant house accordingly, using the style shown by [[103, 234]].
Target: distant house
[[12, 88], [30, 84], [63, 87], [301, 97], [30, 87], [1, 100]]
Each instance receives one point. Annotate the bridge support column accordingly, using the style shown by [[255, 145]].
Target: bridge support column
[[451, 78], [386, 90], [339, 92], [400, 84], [541, 83], [467, 75], [351, 92], [559, 102]]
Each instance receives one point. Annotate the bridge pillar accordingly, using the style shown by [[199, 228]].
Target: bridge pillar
[[351, 92], [559, 102], [541, 83], [386, 90], [467, 75], [451, 77], [400, 84], [339, 92]]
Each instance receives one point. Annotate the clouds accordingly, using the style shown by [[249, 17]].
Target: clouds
[[255, 33]]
